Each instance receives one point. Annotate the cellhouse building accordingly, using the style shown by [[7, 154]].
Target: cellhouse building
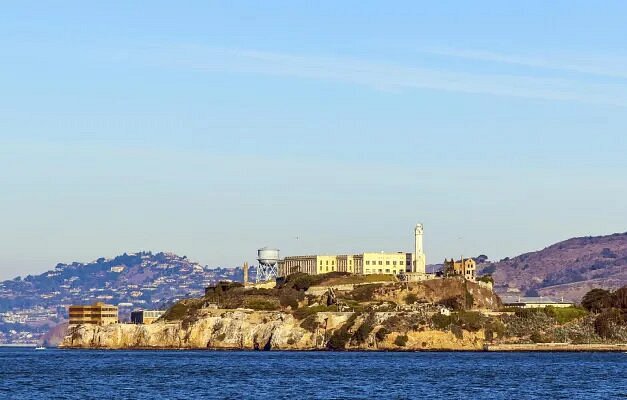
[[367, 263]]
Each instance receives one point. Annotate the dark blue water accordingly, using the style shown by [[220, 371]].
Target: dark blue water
[[86, 374]]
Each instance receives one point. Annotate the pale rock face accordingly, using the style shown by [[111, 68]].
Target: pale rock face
[[239, 329]]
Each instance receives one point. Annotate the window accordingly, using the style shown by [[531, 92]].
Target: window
[[380, 262], [367, 262], [387, 270], [393, 262], [380, 271], [387, 262]]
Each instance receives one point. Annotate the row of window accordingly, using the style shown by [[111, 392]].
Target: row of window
[[380, 271], [387, 262]]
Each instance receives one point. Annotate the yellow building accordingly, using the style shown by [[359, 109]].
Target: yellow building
[[465, 267], [366, 263], [98, 314]]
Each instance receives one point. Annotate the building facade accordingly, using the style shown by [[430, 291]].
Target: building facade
[[146, 317], [465, 267], [97, 314], [364, 263]]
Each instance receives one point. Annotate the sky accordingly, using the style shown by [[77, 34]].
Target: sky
[[211, 129]]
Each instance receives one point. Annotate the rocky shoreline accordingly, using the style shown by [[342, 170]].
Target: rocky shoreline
[[258, 330]]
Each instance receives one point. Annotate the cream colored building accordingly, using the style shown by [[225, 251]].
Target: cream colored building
[[386, 263]]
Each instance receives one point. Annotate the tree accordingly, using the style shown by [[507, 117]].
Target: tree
[[619, 298], [596, 300], [604, 324]]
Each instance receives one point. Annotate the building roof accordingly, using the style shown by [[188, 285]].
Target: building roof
[[532, 300]]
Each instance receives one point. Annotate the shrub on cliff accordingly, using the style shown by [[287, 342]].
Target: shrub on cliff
[[304, 312], [261, 304], [290, 298], [381, 334], [455, 303], [441, 322], [310, 323], [401, 340], [364, 292], [470, 320], [182, 309], [340, 338], [362, 333], [540, 337], [411, 298], [494, 329]]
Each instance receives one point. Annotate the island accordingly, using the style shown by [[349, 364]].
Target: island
[[339, 311]]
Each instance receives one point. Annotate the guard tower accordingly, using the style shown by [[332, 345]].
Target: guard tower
[[420, 260]]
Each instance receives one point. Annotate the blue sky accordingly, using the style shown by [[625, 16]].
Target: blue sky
[[316, 127]]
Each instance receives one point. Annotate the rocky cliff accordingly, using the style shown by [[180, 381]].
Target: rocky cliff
[[270, 330]]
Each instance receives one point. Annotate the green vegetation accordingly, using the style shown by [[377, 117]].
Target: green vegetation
[[182, 309], [441, 322], [605, 324], [494, 328], [362, 333], [310, 323], [342, 336], [357, 279], [469, 320], [305, 312], [486, 279], [597, 300], [401, 340], [566, 314], [540, 337], [261, 304], [364, 292], [411, 298], [381, 334]]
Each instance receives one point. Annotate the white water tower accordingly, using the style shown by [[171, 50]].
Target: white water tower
[[268, 259]]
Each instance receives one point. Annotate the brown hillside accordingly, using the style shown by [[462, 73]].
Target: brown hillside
[[567, 269]]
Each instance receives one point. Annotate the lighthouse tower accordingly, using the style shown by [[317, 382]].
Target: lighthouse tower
[[420, 261]]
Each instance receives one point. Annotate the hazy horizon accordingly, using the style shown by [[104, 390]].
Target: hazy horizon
[[211, 130]]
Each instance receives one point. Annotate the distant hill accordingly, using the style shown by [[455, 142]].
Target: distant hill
[[566, 269]]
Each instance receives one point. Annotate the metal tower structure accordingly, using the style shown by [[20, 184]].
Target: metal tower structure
[[267, 269]]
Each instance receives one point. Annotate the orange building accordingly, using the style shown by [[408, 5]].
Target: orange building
[[98, 314]]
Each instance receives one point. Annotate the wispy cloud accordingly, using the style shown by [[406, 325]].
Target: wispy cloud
[[389, 76], [608, 67]]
